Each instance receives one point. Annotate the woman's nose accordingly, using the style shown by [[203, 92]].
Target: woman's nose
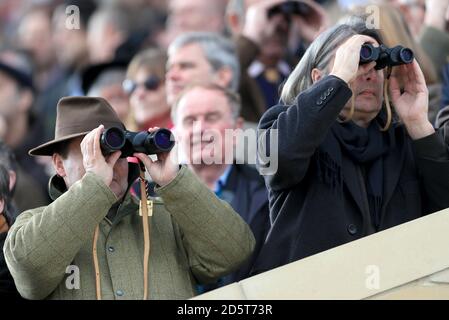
[[371, 74]]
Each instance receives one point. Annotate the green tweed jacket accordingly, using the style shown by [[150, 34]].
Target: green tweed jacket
[[195, 238]]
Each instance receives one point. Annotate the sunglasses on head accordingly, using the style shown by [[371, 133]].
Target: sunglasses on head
[[151, 83]]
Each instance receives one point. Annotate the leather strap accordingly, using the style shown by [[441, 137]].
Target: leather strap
[[96, 264], [146, 232], [387, 101], [146, 239]]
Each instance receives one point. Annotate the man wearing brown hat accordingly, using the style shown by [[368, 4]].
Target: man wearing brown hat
[[88, 243]]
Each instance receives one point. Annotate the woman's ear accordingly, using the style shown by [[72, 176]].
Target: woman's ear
[[316, 75]]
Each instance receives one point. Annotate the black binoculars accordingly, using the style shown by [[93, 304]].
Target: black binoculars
[[128, 142], [384, 56]]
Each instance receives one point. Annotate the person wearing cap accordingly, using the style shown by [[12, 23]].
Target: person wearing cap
[[7, 287], [21, 127], [88, 243]]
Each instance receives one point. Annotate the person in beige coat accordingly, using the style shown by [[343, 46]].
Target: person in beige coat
[[90, 241]]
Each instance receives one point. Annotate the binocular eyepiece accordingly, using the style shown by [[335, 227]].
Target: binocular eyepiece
[[114, 139], [384, 56]]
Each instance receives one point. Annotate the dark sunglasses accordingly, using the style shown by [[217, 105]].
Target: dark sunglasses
[[151, 84]]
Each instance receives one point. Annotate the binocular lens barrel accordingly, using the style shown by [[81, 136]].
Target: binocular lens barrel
[[366, 53], [114, 139], [406, 55], [384, 56], [162, 139]]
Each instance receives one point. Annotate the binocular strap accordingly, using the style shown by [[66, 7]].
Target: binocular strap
[[146, 232], [146, 239]]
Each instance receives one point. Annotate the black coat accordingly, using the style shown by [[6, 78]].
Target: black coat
[[246, 192], [7, 287], [308, 214], [445, 87]]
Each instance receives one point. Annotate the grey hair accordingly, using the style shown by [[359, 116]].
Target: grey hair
[[219, 51], [232, 98], [107, 78], [113, 16], [319, 54]]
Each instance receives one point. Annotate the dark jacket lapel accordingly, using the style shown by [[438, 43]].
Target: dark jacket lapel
[[393, 164]]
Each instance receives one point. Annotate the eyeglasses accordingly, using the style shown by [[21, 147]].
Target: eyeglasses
[[151, 83]]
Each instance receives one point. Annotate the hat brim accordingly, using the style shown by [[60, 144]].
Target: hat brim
[[48, 148]]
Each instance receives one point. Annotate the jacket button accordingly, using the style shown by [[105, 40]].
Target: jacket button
[[319, 102], [119, 293], [352, 229], [331, 89], [111, 249]]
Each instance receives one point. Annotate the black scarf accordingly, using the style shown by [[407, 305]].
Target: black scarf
[[366, 147]]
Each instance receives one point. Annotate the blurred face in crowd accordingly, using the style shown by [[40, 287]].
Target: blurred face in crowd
[[276, 40], [15, 103], [118, 99], [71, 168], [103, 39], [148, 103], [202, 116], [35, 35], [185, 16], [71, 44], [187, 66], [414, 12], [274, 37], [9, 94]]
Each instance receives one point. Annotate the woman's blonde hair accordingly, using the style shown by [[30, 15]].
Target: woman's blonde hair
[[151, 60]]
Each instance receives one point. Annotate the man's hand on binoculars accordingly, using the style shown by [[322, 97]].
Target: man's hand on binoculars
[[164, 169], [93, 159]]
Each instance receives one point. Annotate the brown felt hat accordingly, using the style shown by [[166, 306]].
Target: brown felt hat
[[76, 117]]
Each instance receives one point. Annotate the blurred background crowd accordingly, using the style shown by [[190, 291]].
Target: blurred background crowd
[[139, 54]]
